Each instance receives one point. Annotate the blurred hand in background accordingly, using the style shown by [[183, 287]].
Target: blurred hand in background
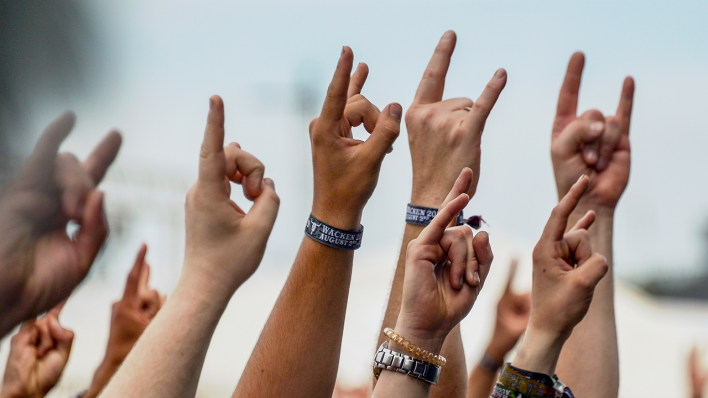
[[699, 376], [39, 262], [38, 355], [130, 316]]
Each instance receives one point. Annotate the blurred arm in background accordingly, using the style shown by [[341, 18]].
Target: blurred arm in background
[[598, 147], [513, 312], [565, 274], [445, 271], [130, 316], [38, 355], [297, 354], [444, 137], [698, 376], [39, 262], [224, 247]]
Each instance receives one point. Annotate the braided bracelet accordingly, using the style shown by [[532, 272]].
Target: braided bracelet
[[437, 360]]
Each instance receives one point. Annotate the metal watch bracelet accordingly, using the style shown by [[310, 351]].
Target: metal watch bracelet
[[386, 359]]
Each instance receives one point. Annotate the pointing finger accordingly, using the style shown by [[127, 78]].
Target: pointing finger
[[432, 84], [481, 109], [211, 156], [568, 97], [336, 99], [555, 227], [434, 231], [45, 152], [624, 109], [135, 274]]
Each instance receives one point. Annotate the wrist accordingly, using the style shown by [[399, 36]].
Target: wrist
[[428, 197], [426, 340], [341, 218], [539, 351], [495, 352]]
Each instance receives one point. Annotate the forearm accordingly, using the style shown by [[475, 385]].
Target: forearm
[[297, 354], [482, 378], [589, 362], [453, 379], [167, 359]]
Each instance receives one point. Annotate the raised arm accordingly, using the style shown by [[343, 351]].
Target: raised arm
[[40, 264], [130, 316], [444, 275], [597, 146], [566, 272], [38, 354], [513, 311], [297, 354], [444, 137], [223, 248]]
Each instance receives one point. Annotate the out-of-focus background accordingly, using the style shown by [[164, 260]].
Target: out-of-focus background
[[149, 67]]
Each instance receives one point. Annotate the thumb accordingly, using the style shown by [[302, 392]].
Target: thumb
[[388, 126], [93, 231], [265, 206], [592, 271]]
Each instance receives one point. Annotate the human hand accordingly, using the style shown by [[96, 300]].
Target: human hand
[[132, 314], [346, 170], [225, 245], [40, 263], [565, 273], [445, 271], [591, 144], [38, 355], [699, 377], [513, 310], [445, 136]]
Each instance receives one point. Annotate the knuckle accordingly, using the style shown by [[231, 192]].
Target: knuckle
[[430, 73], [481, 107]]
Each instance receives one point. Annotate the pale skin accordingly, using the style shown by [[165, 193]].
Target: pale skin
[[444, 138], [224, 247], [698, 375], [597, 146], [297, 354], [443, 279], [130, 316], [38, 355], [513, 310], [39, 262], [566, 272]]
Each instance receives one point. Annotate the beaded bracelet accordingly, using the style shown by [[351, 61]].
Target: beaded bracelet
[[437, 360]]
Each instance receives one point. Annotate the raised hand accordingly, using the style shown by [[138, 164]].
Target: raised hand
[[592, 144], [40, 263], [224, 245], [445, 136], [445, 271], [565, 273], [513, 310], [346, 170], [38, 355]]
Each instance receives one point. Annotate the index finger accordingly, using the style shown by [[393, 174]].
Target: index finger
[[102, 156], [336, 99], [211, 156], [568, 97], [555, 227], [133, 282], [358, 79], [45, 151], [512, 273], [57, 310], [432, 84], [624, 109], [435, 230]]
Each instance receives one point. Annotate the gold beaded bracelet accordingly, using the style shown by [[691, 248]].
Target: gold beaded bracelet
[[437, 360]]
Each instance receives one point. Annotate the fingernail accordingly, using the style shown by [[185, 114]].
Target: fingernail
[[475, 278], [596, 127], [500, 74], [396, 111], [270, 183], [604, 258], [580, 178], [447, 35]]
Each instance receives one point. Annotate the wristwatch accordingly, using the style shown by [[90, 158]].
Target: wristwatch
[[386, 359]]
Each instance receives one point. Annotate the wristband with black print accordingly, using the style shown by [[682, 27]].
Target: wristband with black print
[[333, 237]]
